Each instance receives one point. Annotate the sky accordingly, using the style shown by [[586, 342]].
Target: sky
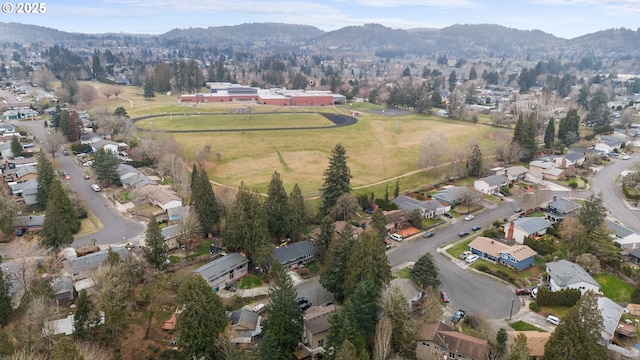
[[562, 18]]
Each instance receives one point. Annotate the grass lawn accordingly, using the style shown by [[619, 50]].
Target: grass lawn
[[538, 268], [524, 326], [459, 248], [203, 248], [403, 273], [250, 282], [614, 288], [313, 267], [559, 311]]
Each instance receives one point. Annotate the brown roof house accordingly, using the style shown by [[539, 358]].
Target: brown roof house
[[518, 256], [439, 339], [315, 329], [536, 340], [339, 227]]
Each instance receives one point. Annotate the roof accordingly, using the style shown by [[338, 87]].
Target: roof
[[317, 318], [396, 216], [453, 341], [517, 170], [489, 246], [536, 340], [160, 194], [221, 266], [564, 206], [611, 313], [407, 203], [244, 318], [532, 225], [82, 264], [62, 286], [619, 230], [495, 180], [171, 232], [566, 273], [292, 252], [574, 156], [520, 252], [340, 225], [554, 171], [177, 213], [36, 220], [450, 195], [543, 164]]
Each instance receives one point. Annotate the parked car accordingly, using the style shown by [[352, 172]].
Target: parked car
[[463, 233], [458, 315], [553, 320], [65, 152], [369, 211], [469, 217], [476, 228], [88, 163], [523, 291], [396, 237], [448, 215], [444, 296], [428, 234], [95, 187], [387, 244], [21, 231], [517, 210], [626, 157], [303, 303], [464, 255], [230, 287], [472, 258]]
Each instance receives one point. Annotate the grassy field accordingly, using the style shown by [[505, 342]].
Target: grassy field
[[379, 147], [524, 326], [614, 288]]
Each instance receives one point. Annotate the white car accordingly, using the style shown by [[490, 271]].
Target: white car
[[469, 217], [95, 187], [88, 163], [471, 258], [395, 237], [626, 157]]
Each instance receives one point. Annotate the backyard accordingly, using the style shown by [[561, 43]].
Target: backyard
[[614, 288]]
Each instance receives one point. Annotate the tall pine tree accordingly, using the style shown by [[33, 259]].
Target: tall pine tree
[[59, 218], [297, 213], [569, 128], [204, 202], [327, 229], [332, 275], [367, 261], [277, 207], [156, 249], [550, 134], [337, 179], [474, 163], [46, 174]]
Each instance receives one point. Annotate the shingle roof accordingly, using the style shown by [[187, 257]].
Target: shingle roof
[[450, 195], [409, 204], [494, 180], [532, 225], [489, 246], [517, 170], [171, 232], [244, 318], [291, 252], [565, 273], [619, 230], [82, 264], [317, 319], [221, 266], [574, 156], [611, 313], [564, 206], [521, 252], [36, 220]]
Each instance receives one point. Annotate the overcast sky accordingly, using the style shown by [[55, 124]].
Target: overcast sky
[[563, 18]]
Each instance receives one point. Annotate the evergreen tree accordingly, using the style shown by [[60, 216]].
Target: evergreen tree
[[246, 224], [337, 179], [474, 163], [148, 90], [284, 324], [635, 295], [83, 318], [16, 147], [396, 190], [194, 180], [332, 275], [530, 143], [348, 352], [5, 298], [297, 213], [106, 163], [453, 81], [379, 224], [63, 123], [592, 212], [367, 261], [425, 272], [600, 244], [277, 207], [583, 96], [577, 336], [156, 249], [550, 134], [204, 202], [346, 340], [362, 306], [202, 318], [327, 229], [568, 130], [65, 349], [498, 349], [6, 345], [519, 349], [46, 175], [472, 73], [518, 131], [60, 220]]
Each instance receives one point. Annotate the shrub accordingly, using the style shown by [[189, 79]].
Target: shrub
[[627, 270], [541, 247], [386, 205], [534, 307], [564, 297], [482, 267]]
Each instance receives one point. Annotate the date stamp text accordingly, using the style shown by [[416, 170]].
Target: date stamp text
[[23, 8]]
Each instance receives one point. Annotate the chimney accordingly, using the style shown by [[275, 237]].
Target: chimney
[[510, 232]]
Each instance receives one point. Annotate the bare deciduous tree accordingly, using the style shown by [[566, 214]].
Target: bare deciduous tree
[[116, 90], [43, 77], [38, 326], [395, 306], [85, 94], [190, 231], [570, 229], [382, 345], [589, 262], [106, 91], [433, 147], [53, 141], [114, 296], [346, 206]]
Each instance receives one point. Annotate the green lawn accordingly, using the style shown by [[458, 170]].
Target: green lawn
[[403, 273], [524, 326], [459, 248], [614, 288], [313, 267], [250, 282], [559, 311]]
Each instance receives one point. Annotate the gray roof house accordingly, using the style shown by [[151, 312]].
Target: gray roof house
[[514, 173], [611, 314], [32, 223], [523, 227], [28, 190], [563, 274], [170, 235], [223, 270], [429, 209], [81, 267], [245, 326], [624, 236], [452, 195], [560, 208], [294, 255], [490, 184], [63, 291]]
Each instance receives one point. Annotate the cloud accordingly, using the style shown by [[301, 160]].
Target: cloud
[[416, 3]]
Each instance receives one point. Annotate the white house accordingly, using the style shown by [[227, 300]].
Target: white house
[[108, 145], [563, 274], [157, 195], [429, 209], [523, 227], [608, 146], [624, 236], [490, 184], [513, 173]]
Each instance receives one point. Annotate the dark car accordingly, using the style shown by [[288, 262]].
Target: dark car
[[21, 231], [428, 234], [369, 211], [448, 215], [458, 315], [523, 291], [476, 228], [303, 303], [463, 233], [230, 287], [518, 210]]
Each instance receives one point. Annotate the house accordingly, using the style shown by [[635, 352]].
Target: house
[[396, 219], [439, 340], [627, 238], [408, 290], [82, 267], [428, 209], [524, 227], [513, 173], [171, 235], [608, 146], [107, 145], [340, 225], [293, 256], [63, 291], [563, 274], [21, 174], [611, 314], [315, 329], [244, 326], [28, 190], [539, 167], [553, 174], [451, 195], [573, 159], [165, 198], [32, 223], [224, 270], [178, 213], [519, 257], [560, 208], [490, 184], [536, 340]]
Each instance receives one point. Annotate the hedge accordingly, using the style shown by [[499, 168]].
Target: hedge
[[564, 297], [541, 247], [627, 194]]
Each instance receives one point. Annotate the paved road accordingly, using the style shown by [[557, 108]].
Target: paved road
[[605, 182], [115, 227]]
